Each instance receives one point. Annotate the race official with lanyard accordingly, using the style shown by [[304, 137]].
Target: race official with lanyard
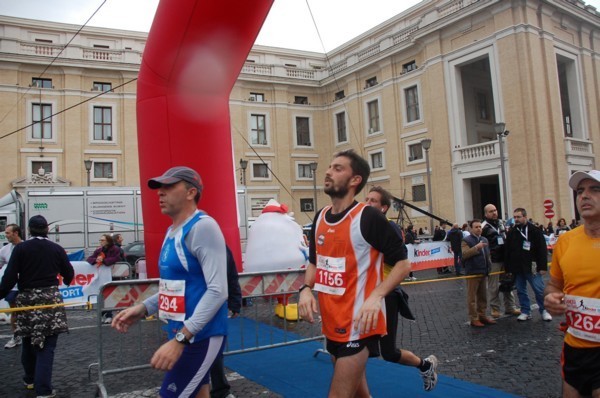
[[574, 290], [192, 289]]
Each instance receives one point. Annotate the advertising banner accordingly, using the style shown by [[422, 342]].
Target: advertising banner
[[430, 255], [87, 282]]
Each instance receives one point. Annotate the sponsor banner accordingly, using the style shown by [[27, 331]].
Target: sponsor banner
[[87, 282], [430, 255]]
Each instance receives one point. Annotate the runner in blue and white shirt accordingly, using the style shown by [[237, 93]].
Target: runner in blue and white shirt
[[192, 290]]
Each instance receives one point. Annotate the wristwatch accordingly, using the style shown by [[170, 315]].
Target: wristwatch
[[180, 338]]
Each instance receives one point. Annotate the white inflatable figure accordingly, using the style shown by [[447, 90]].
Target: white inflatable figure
[[276, 243]]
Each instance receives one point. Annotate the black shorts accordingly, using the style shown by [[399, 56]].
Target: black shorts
[[349, 348], [581, 368]]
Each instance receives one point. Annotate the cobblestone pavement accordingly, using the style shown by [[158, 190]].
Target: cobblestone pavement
[[521, 358]]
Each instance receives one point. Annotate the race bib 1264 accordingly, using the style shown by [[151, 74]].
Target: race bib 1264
[[583, 317], [171, 300], [331, 275]]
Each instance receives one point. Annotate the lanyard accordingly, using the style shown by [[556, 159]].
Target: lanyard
[[524, 235]]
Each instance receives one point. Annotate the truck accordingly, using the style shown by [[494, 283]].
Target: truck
[[76, 216]]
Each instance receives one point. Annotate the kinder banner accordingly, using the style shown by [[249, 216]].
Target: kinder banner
[[430, 255], [87, 282]]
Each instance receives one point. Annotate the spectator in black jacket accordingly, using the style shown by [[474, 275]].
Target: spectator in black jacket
[[527, 258], [438, 236], [35, 265], [494, 231], [455, 237], [220, 387]]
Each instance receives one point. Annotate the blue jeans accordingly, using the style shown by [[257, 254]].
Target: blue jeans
[[537, 284], [37, 364]]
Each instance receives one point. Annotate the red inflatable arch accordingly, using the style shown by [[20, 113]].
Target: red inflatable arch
[[193, 56]]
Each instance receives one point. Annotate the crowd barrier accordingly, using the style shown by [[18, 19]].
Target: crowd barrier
[[257, 327]]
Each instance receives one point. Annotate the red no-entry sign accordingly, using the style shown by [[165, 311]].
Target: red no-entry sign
[[548, 204], [549, 213]]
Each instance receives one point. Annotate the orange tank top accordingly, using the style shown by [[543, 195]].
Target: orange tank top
[[348, 269]]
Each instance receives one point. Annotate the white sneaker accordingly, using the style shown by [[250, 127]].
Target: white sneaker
[[546, 316], [13, 342], [107, 321], [430, 376], [524, 317]]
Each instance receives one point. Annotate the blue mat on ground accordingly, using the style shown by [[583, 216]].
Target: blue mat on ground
[[294, 372]]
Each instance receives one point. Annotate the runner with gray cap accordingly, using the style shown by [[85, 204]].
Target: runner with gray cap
[[192, 289], [574, 290]]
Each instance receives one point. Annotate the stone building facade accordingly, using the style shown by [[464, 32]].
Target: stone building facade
[[445, 70]]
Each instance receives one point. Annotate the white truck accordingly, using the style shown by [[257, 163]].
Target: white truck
[[76, 216]]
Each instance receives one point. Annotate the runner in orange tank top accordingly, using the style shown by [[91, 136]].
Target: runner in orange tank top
[[349, 242]]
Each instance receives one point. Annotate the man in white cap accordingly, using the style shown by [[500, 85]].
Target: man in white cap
[[574, 290], [192, 290]]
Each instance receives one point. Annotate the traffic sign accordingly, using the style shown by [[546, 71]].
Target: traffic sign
[[548, 204], [549, 213]]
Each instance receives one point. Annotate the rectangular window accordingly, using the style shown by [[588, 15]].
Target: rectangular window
[[339, 95], [301, 100], [101, 46], [37, 165], [418, 193], [307, 205], [302, 131], [415, 152], [41, 83], [304, 171], [258, 131], [483, 107], [100, 86], [373, 109], [371, 82], [103, 170], [102, 123], [42, 119], [340, 124], [412, 104], [257, 97], [409, 66], [260, 170], [377, 160]]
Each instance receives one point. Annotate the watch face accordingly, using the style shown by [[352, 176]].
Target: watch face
[[180, 337]]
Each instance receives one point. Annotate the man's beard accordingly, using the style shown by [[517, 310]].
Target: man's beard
[[339, 192]]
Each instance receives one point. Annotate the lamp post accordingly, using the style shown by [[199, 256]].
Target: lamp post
[[501, 132], [243, 166], [426, 144], [313, 170], [88, 168]]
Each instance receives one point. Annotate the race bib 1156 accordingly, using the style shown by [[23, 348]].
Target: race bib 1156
[[331, 275]]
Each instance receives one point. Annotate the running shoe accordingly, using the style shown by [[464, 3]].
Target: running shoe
[[430, 376], [13, 342], [523, 317]]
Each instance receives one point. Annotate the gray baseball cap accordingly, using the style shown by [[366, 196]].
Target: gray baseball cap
[[579, 176], [174, 175]]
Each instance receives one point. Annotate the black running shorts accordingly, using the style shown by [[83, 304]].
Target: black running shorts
[[581, 368], [349, 348]]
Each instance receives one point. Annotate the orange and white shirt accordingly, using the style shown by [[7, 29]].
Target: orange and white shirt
[[348, 251]]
